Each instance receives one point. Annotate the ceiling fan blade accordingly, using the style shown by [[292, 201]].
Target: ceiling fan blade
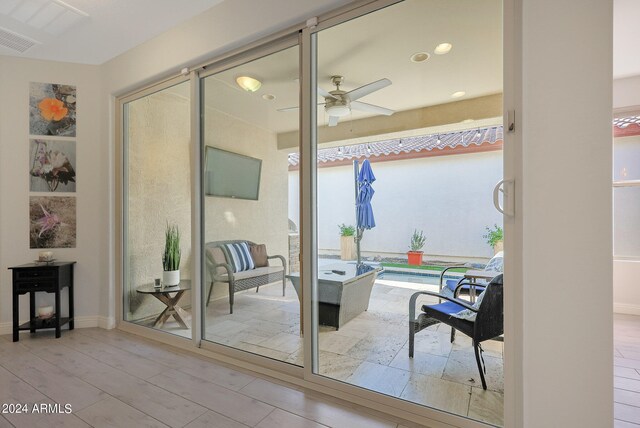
[[359, 105], [333, 120], [294, 108], [288, 108], [367, 89], [325, 94]]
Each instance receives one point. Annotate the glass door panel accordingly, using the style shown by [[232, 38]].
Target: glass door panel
[[409, 148], [157, 195], [250, 206]]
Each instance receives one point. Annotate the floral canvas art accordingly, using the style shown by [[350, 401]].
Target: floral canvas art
[[52, 167], [52, 109], [52, 222]]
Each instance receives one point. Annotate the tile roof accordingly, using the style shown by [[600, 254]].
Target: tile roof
[[623, 122], [423, 143]]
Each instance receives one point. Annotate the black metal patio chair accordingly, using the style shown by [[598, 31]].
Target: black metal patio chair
[[488, 323]]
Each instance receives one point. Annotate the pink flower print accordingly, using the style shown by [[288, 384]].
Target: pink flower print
[[47, 222]]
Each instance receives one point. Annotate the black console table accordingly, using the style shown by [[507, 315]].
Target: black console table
[[50, 278]]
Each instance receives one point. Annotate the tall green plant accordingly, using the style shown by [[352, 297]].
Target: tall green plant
[[494, 235], [346, 230], [171, 255], [417, 240]]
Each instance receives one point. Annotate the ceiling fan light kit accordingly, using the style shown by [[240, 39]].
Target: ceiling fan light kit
[[339, 103], [443, 48], [249, 84]]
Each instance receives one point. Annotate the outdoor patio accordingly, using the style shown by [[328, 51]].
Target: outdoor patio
[[371, 350]]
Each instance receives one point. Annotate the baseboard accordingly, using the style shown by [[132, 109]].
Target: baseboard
[[80, 322], [621, 308]]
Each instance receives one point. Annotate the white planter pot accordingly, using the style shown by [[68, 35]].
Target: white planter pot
[[170, 277]]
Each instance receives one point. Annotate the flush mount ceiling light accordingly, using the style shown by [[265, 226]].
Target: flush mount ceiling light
[[249, 84], [269, 97], [442, 48], [458, 94], [419, 57]]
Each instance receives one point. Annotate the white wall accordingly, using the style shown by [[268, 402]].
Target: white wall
[[263, 221], [92, 170], [448, 197], [566, 281]]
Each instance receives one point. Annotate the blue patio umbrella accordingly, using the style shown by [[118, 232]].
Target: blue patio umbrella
[[364, 212]]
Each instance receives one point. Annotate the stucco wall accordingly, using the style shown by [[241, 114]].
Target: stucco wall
[[263, 221], [448, 197], [159, 191]]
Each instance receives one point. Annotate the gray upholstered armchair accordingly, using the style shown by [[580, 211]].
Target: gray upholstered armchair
[[220, 270]]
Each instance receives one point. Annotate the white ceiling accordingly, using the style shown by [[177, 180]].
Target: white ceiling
[[95, 31], [376, 46], [110, 27]]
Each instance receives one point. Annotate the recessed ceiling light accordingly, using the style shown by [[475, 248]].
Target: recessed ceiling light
[[442, 48], [248, 83], [458, 94], [420, 57], [269, 97]]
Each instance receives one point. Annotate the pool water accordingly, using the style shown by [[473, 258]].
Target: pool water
[[419, 278]]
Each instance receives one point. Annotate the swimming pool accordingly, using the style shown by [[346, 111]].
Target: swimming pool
[[419, 278]]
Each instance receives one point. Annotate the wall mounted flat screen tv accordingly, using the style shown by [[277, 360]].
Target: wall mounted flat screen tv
[[231, 175]]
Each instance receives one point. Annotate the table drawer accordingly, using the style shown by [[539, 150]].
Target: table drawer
[[35, 274], [35, 285]]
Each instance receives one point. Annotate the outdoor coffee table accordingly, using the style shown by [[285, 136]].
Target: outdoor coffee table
[[343, 291], [171, 302]]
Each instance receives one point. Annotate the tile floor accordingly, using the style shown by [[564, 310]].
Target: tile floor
[[626, 371], [114, 379], [371, 350]]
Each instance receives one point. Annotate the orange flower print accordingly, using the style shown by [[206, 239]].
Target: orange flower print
[[52, 109]]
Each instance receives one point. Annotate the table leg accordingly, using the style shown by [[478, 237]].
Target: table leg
[[162, 318], [71, 298], [58, 312], [32, 311], [15, 315], [180, 316], [172, 309]]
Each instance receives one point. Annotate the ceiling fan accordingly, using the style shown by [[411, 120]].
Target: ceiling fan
[[338, 103]]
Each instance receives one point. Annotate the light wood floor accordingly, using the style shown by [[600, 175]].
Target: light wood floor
[[114, 379], [626, 370]]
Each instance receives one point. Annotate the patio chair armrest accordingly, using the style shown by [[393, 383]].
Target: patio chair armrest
[[446, 269], [282, 259], [412, 303], [414, 297], [226, 266], [464, 282]]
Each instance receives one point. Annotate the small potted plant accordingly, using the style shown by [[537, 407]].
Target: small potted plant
[[171, 256], [495, 238], [414, 255], [347, 242]]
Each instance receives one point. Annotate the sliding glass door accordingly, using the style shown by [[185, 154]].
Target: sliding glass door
[[157, 202], [409, 149], [250, 206], [346, 177]]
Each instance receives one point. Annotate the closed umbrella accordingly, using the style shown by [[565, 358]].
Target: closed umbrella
[[364, 212]]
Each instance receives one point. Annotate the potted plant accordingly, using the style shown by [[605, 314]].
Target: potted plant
[[495, 238], [347, 242], [414, 255], [171, 256]]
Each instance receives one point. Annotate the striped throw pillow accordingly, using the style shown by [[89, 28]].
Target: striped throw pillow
[[239, 256]]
